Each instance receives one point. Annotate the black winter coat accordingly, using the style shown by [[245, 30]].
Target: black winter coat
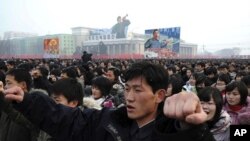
[[73, 124]]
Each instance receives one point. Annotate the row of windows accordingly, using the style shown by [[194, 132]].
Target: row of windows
[[102, 37]]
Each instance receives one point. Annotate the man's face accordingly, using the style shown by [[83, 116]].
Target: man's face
[[156, 35], [192, 80], [221, 85], [64, 75], [141, 102], [110, 75], [188, 73], [223, 70], [11, 82], [36, 73], [198, 68]]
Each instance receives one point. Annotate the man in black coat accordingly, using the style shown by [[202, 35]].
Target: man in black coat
[[13, 125], [143, 117]]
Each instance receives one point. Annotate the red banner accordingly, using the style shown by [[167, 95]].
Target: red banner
[[51, 46]]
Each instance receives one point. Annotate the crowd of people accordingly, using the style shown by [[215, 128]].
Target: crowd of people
[[154, 99]]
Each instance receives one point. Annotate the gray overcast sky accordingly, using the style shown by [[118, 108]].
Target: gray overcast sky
[[215, 24]]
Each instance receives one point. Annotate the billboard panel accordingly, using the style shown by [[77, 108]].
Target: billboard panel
[[51, 48], [169, 35]]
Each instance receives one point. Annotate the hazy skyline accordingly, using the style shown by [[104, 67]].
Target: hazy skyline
[[214, 24]]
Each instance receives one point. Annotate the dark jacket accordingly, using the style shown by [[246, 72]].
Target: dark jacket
[[13, 125], [68, 124]]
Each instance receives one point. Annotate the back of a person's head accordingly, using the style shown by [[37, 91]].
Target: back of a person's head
[[172, 68], [200, 78], [54, 66], [223, 66], [241, 74], [102, 83], [211, 70], [69, 88], [246, 80], [202, 64], [44, 71], [11, 62], [155, 75], [98, 71], [177, 83], [206, 94], [56, 72], [242, 88], [26, 66], [3, 66], [21, 75], [70, 71]]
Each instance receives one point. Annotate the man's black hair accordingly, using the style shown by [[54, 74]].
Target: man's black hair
[[70, 88], [70, 71], [155, 75], [21, 75], [116, 72], [155, 30], [224, 77]]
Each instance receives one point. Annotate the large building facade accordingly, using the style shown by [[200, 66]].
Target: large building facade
[[35, 47], [107, 46], [99, 42], [188, 50], [15, 34]]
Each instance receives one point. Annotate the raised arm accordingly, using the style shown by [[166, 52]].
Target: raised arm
[[61, 122]]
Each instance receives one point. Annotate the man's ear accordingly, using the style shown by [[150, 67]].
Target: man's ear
[[23, 85], [73, 103], [160, 95]]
